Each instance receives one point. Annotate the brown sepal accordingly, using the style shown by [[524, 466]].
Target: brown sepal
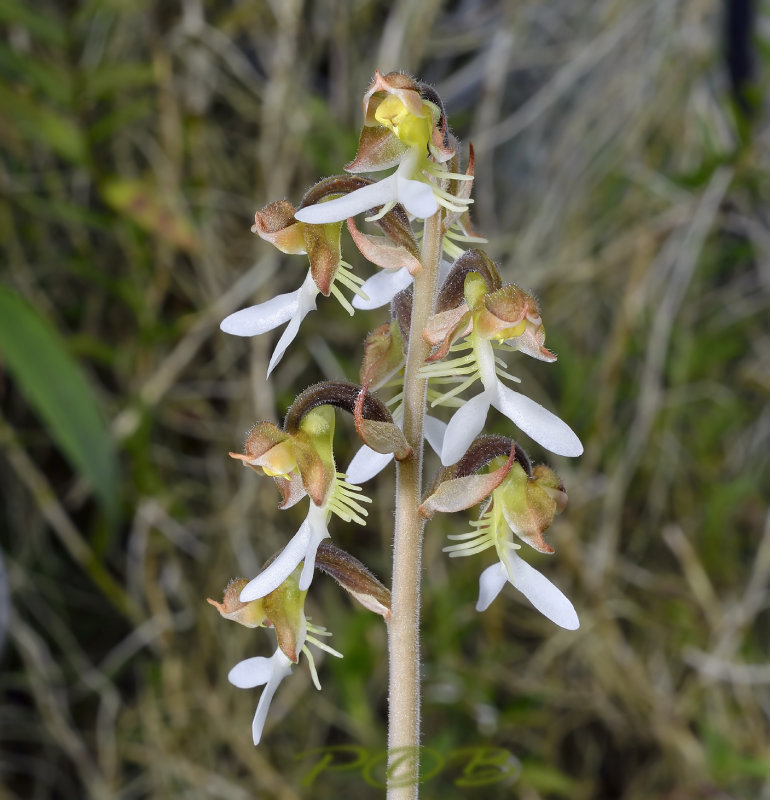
[[445, 328], [283, 609], [354, 577], [378, 148], [383, 355], [396, 226], [401, 310], [382, 252], [466, 490], [316, 479], [382, 436], [324, 253]]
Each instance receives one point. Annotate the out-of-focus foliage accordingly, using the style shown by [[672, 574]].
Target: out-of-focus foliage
[[613, 179]]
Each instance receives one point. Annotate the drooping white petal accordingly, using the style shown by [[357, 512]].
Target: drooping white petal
[[262, 317], [276, 573], [491, 581], [544, 596], [316, 519], [306, 296], [416, 197], [363, 199], [281, 668], [434, 430], [382, 287], [251, 672], [465, 425], [365, 464], [537, 422]]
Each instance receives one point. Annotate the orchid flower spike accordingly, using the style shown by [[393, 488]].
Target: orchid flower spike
[[277, 223], [284, 610], [404, 127], [517, 499], [301, 461], [474, 305]]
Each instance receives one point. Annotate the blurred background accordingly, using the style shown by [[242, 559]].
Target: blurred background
[[622, 175]]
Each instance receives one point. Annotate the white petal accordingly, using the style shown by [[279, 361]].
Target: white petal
[[363, 199], [416, 197], [382, 287], [491, 581], [465, 425], [434, 430], [317, 536], [537, 422], [262, 317], [251, 672], [282, 667], [544, 596], [276, 573], [365, 464], [306, 296]]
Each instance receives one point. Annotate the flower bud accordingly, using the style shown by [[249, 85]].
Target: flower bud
[[383, 354], [354, 577]]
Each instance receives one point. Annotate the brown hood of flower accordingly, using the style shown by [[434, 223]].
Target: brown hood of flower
[[275, 223]]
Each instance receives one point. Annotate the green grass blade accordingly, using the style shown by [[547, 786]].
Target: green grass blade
[[53, 383]]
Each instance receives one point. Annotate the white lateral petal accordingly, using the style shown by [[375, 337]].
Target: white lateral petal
[[434, 430], [262, 317], [544, 596], [317, 536], [537, 422], [465, 425], [251, 672], [276, 573], [305, 304], [416, 197], [491, 581], [365, 464], [282, 667], [363, 199], [382, 287]]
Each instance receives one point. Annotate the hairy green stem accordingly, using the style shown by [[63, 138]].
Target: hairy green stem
[[404, 625]]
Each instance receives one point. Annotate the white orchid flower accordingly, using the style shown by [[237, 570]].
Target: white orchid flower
[[549, 600], [261, 671], [292, 307], [494, 530], [343, 501], [417, 196], [269, 672], [481, 364]]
